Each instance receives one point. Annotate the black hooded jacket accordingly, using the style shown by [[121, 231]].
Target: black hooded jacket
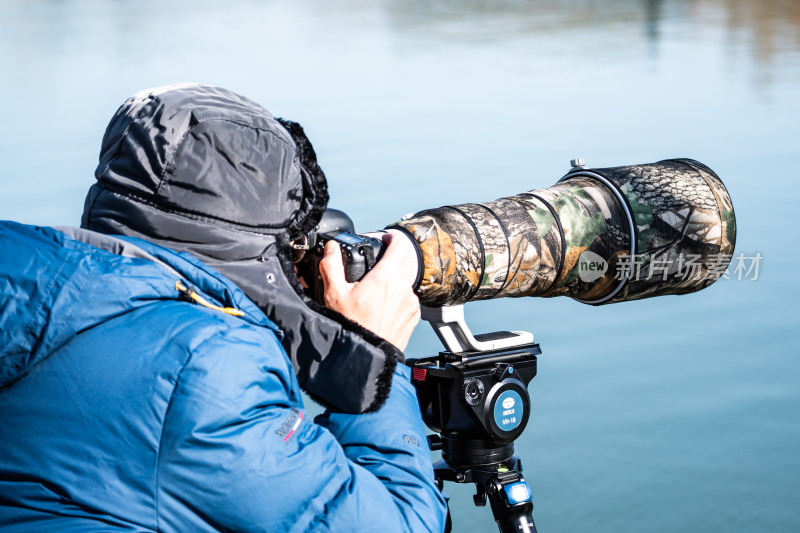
[[206, 171]]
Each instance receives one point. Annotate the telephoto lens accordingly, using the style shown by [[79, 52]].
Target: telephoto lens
[[599, 235]]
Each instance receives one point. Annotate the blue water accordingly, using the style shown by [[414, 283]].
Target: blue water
[[672, 414]]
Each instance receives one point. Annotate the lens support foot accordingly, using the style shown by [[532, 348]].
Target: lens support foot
[[450, 326]]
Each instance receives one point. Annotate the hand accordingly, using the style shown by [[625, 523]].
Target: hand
[[383, 300]]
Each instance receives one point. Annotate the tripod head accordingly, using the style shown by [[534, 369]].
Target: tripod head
[[474, 396]]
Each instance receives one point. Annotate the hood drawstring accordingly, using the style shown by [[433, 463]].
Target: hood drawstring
[[193, 296]]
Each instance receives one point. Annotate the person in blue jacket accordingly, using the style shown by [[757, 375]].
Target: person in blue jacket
[[151, 361]]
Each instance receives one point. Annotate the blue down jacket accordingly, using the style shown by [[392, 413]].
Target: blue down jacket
[[126, 406]]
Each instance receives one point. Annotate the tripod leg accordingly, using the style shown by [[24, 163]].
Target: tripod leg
[[479, 498], [511, 504]]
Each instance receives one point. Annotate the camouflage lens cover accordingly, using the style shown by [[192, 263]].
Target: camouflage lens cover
[[642, 226], [685, 227]]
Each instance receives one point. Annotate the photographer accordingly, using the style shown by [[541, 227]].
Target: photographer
[[151, 362]]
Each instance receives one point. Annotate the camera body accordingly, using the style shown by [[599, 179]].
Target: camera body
[[359, 252]]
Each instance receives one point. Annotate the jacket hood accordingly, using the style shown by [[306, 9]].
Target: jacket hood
[[208, 154], [48, 277], [202, 170]]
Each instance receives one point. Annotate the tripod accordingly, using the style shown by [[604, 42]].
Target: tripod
[[474, 395]]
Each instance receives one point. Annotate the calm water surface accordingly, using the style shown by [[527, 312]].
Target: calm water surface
[[667, 415]]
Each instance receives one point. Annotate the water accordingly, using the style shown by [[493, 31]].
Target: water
[[665, 415]]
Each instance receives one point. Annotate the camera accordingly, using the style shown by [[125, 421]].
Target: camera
[[599, 236], [359, 252]]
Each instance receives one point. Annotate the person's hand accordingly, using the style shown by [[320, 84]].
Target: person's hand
[[383, 300]]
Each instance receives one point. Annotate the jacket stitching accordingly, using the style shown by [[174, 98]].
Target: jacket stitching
[[40, 310], [268, 230], [178, 377], [145, 102], [169, 160], [90, 210]]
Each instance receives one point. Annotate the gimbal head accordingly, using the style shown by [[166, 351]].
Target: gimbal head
[[474, 395]]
